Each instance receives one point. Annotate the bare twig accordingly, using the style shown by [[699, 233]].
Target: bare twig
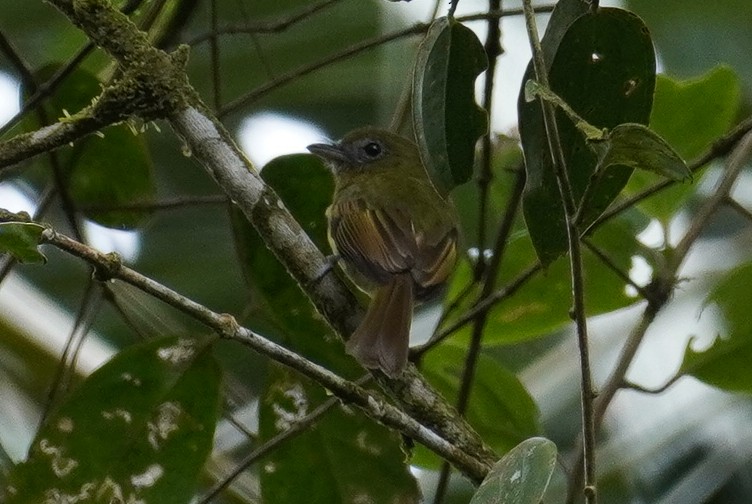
[[575, 258]]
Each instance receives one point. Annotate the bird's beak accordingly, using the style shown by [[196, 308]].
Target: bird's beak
[[329, 152]]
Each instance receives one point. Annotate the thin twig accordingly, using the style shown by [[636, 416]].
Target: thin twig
[[610, 264], [493, 50], [275, 26], [296, 428], [214, 56], [47, 88], [575, 258], [293, 75]]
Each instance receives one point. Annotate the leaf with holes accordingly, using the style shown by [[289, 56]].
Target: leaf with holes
[[725, 363], [604, 69], [341, 458], [446, 119]]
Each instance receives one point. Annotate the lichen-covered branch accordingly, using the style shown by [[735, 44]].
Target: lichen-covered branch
[[373, 404]]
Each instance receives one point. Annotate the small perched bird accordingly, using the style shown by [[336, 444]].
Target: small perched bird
[[396, 235]]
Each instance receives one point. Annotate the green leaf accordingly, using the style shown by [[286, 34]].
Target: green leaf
[[138, 429], [21, 240], [536, 308], [604, 69], [341, 458], [305, 186], [74, 93], [446, 119], [521, 476], [110, 171], [636, 146], [689, 115], [725, 364], [500, 409]]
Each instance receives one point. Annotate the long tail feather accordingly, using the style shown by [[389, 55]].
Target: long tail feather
[[382, 340]]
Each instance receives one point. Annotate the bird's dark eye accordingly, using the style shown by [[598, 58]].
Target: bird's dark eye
[[372, 149]]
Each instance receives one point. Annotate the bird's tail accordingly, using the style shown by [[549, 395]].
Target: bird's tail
[[382, 340]]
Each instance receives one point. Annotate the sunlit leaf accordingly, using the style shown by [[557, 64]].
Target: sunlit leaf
[[21, 240], [689, 115], [138, 429], [446, 119], [521, 476], [725, 363]]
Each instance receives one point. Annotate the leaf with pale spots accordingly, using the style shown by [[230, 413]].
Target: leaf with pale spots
[[341, 458], [137, 430]]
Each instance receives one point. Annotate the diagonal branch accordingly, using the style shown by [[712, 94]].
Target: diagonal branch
[[160, 78]]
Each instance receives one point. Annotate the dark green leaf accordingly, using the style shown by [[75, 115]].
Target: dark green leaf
[[342, 458], [446, 119], [305, 186], [725, 364], [521, 476], [21, 239], [501, 409], [636, 146], [110, 171], [74, 93], [138, 429], [689, 115], [604, 69]]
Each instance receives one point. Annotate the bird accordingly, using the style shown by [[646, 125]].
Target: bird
[[395, 234]]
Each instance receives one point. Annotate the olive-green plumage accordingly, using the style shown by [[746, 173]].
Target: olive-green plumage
[[396, 235]]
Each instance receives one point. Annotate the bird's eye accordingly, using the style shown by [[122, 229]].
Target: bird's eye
[[372, 149]]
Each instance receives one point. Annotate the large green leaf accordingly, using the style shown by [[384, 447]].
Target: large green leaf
[[341, 459], [500, 409], [521, 476], [689, 115], [138, 429], [280, 309], [725, 364], [604, 69], [446, 119]]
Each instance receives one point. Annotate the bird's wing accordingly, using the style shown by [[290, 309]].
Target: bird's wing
[[378, 242], [382, 242]]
